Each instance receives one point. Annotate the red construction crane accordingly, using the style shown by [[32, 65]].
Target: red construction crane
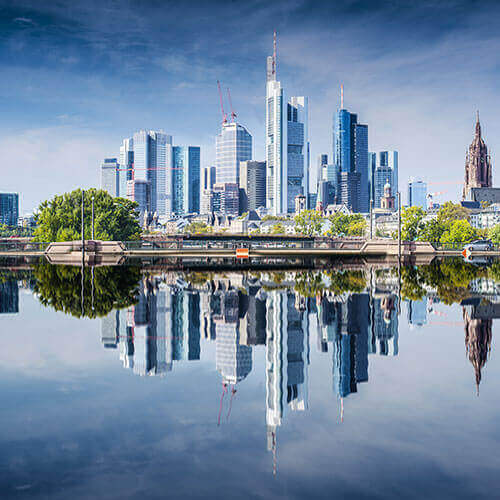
[[233, 114], [224, 116]]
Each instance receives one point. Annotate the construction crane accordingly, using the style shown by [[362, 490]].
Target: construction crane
[[224, 116], [430, 196], [233, 114]]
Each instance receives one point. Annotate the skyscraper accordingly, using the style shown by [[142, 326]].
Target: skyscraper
[[9, 208], [125, 172], [350, 149], [287, 144], [110, 176], [417, 193], [186, 180], [383, 168], [477, 164], [252, 185], [232, 146]]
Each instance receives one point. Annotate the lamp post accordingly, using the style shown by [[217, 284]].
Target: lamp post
[[92, 217], [83, 227]]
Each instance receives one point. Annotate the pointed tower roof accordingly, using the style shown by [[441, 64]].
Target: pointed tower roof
[[478, 125]]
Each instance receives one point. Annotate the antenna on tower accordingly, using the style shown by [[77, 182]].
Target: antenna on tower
[[233, 114], [274, 53], [341, 96], [224, 116]]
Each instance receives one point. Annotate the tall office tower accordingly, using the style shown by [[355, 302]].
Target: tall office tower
[[110, 176], [252, 185], [209, 178], [186, 180], [322, 161], [383, 169], [153, 163], [477, 164], [125, 172], [350, 149], [417, 193], [185, 325], [9, 208], [139, 190], [349, 190], [417, 312], [326, 193], [232, 146], [287, 144], [225, 199]]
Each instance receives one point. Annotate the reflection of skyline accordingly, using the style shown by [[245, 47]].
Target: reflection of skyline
[[9, 297]]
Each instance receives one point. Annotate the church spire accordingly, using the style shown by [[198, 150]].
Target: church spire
[[478, 125]]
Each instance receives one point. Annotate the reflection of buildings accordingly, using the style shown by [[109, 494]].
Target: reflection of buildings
[[417, 312], [478, 319], [9, 297]]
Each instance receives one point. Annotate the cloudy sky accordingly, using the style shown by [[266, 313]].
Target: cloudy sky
[[79, 76]]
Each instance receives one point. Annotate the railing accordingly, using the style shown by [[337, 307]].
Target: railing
[[23, 246]]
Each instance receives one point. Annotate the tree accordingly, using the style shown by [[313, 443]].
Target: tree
[[59, 219], [494, 234], [308, 222], [431, 231], [452, 211], [278, 228], [411, 223], [198, 228], [458, 231], [341, 224]]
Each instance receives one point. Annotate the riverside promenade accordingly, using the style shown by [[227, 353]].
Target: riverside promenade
[[228, 247]]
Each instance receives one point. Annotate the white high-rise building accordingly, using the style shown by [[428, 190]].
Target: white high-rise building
[[287, 144]]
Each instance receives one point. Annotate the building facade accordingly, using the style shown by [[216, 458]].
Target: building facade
[[287, 145], [9, 208], [110, 181], [232, 146], [417, 193], [252, 185], [478, 172], [383, 168], [350, 148], [185, 180]]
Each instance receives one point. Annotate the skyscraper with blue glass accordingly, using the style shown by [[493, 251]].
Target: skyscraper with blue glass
[[186, 180], [350, 151], [383, 168], [9, 208]]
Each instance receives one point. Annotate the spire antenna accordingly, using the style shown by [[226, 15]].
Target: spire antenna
[[341, 96], [274, 53]]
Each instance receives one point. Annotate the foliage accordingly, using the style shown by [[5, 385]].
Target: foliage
[[308, 222], [274, 217], [309, 283], [458, 231], [452, 211], [431, 231], [411, 223], [494, 234], [351, 224], [198, 228], [278, 228], [347, 281], [59, 219], [7, 231], [60, 287]]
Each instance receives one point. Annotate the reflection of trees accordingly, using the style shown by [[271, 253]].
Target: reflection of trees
[[309, 283], [450, 278], [347, 281], [60, 287]]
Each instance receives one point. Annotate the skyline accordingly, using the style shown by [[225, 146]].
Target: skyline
[[71, 92]]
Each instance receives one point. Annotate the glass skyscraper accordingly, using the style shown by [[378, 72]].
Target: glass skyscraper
[[350, 151], [110, 176], [287, 145], [232, 146], [383, 168], [186, 180], [125, 171], [417, 193], [9, 208]]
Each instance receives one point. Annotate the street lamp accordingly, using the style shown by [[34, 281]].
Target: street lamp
[[92, 217]]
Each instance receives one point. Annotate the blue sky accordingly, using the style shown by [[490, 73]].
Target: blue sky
[[79, 76]]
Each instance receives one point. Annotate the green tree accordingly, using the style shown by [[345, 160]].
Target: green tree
[[198, 228], [356, 227], [452, 211], [432, 231], [59, 219], [341, 224], [308, 222], [411, 223], [278, 228], [494, 234], [458, 231]]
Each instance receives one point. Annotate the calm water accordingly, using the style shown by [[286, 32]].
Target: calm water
[[240, 385]]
